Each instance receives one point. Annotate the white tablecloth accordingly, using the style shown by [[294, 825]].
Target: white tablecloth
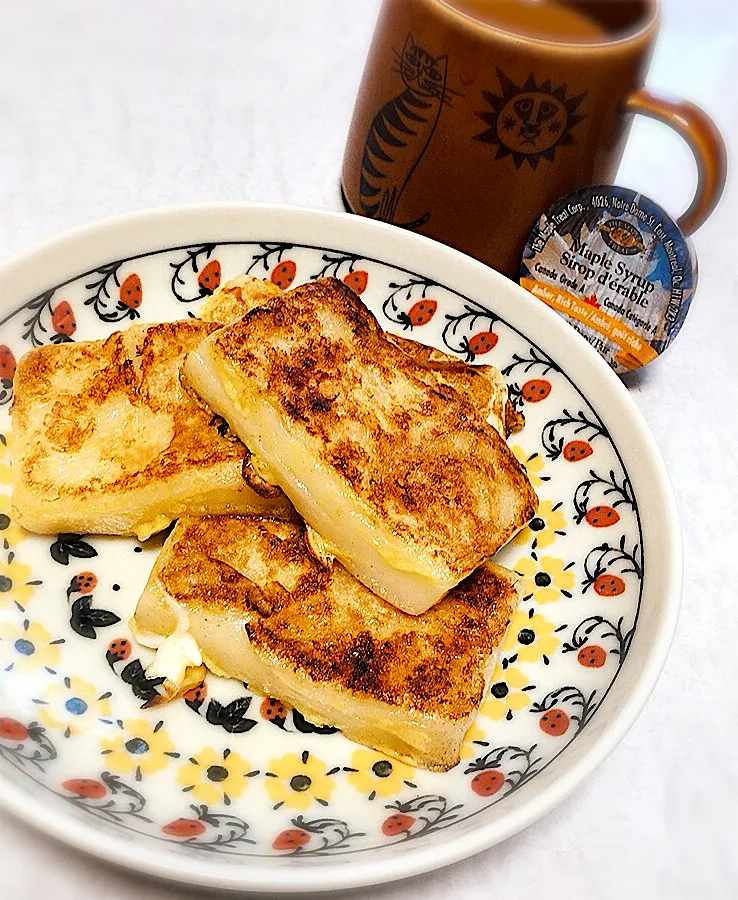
[[115, 105]]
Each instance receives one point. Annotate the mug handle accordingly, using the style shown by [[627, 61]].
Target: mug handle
[[705, 141]]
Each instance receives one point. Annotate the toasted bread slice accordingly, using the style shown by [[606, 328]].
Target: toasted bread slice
[[108, 441], [409, 489], [263, 610], [483, 386], [236, 297]]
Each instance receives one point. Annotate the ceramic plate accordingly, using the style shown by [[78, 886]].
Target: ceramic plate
[[226, 787]]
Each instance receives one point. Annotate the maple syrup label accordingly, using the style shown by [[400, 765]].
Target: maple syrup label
[[617, 266]]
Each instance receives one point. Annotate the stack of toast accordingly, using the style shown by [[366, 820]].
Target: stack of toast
[[338, 494]]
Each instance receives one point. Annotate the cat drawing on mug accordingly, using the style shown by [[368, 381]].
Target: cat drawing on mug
[[401, 131]]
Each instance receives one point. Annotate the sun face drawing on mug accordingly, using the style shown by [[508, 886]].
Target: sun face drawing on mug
[[401, 131], [529, 121]]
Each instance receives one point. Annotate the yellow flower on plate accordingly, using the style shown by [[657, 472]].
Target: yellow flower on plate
[[530, 637], [14, 588], [9, 531], [470, 746], [214, 777], [377, 776], [546, 579], [533, 463], [505, 695], [140, 747], [73, 706], [28, 646], [296, 781], [549, 522], [6, 448]]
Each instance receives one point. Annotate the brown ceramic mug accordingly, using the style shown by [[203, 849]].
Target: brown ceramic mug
[[474, 116]]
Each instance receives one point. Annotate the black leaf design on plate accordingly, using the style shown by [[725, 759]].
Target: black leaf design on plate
[[415, 289], [459, 331], [26, 745], [516, 764], [605, 487], [583, 429], [608, 557], [423, 814], [568, 701], [536, 359], [302, 724], [600, 629], [186, 286], [334, 262], [67, 545], [84, 619], [112, 299], [144, 688], [224, 830], [330, 834], [40, 308], [272, 253], [112, 799], [232, 716], [6, 390]]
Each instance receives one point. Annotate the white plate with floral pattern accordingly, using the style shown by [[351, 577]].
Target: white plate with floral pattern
[[226, 788]]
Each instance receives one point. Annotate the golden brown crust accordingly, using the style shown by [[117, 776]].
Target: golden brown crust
[[236, 297], [482, 386], [421, 459], [109, 440], [321, 622], [514, 419], [139, 366]]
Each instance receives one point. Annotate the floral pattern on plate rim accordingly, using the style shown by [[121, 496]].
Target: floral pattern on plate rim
[[68, 663]]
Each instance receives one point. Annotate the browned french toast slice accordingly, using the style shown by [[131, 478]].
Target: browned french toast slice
[[408, 488], [483, 386], [262, 609], [109, 441], [236, 297]]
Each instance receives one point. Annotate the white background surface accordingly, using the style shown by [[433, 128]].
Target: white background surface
[[115, 105]]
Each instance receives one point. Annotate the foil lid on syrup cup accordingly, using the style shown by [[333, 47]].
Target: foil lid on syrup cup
[[617, 266]]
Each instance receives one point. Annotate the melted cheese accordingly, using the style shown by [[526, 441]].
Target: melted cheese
[[342, 529], [146, 529], [174, 656]]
